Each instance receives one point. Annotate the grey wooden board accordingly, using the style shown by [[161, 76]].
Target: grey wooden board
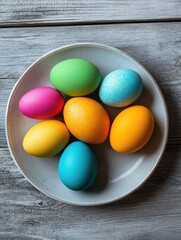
[[156, 45], [152, 212], [17, 12]]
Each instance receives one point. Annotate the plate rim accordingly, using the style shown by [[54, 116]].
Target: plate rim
[[116, 50]]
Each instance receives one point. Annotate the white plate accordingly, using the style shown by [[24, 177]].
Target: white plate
[[118, 175]]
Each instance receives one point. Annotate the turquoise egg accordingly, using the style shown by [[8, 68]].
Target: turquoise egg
[[77, 166], [120, 88]]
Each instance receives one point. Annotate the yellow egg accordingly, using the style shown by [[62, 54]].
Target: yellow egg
[[46, 138], [87, 120], [131, 129]]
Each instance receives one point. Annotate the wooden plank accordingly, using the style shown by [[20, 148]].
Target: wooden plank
[[20, 12], [171, 91], [157, 46], [152, 212]]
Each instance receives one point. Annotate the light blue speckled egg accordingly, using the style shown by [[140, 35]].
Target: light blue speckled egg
[[120, 88], [77, 166]]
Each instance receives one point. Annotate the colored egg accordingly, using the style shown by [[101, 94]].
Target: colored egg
[[75, 77], [46, 138], [120, 88], [131, 129], [77, 166], [42, 102], [87, 120]]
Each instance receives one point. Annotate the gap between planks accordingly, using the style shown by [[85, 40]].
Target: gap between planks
[[39, 23]]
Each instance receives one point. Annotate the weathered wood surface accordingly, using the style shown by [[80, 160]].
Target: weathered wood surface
[[26, 12], [152, 212]]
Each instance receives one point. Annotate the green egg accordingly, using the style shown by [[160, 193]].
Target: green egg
[[75, 77]]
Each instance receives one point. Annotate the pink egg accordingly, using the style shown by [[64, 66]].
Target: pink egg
[[42, 102]]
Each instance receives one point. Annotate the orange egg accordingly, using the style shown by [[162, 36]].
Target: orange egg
[[86, 119], [131, 129]]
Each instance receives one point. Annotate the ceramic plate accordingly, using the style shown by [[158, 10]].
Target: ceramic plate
[[118, 175]]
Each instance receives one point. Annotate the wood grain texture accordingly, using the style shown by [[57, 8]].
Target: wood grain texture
[[33, 12], [152, 212], [156, 46]]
